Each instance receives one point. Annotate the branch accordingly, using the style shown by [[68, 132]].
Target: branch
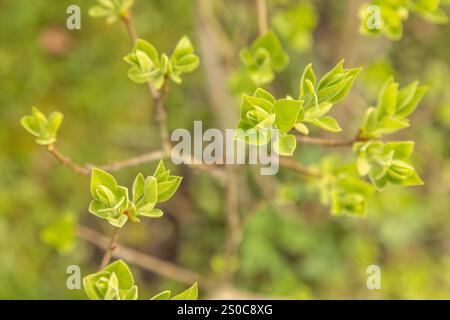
[[65, 161], [297, 167], [225, 117], [261, 8], [135, 161], [329, 142], [234, 229], [110, 249], [128, 21], [161, 115], [157, 95], [147, 262]]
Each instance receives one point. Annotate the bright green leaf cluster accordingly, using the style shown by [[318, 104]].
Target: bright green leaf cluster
[[394, 106], [264, 58], [42, 127], [387, 163], [148, 65], [342, 189], [112, 202], [189, 294], [320, 97], [166, 183], [111, 9], [261, 113], [296, 25], [387, 16], [114, 282]]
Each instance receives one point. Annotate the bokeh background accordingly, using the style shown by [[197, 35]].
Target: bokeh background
[[292, 247]]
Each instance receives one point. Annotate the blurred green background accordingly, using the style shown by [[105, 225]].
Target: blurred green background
[[292, 247]]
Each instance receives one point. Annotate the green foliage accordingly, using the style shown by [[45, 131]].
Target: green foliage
[[112, 10], [60, 234], [387, 163], [392, 13], [264, 58], [114, 282], [167, 184], [320, 97], [111, 201], [189, 294], [393, 108], [42, 127], [296, 24], [183, 60], [261, 113], [148, 65], [342, 189]]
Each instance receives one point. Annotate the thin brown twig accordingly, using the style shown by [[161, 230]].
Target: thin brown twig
[[127, 20], [135, 161], [234, 229], [328, 142], [297, 167], [112, 245], [263, 24], [161, 116], [66, 161], [145, 261]]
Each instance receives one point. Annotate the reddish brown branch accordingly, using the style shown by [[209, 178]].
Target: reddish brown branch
[[328, 142], [112, 245], [297, 167], [263, 24], [66, 161]]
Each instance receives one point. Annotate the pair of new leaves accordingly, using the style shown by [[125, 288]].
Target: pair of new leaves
[[112, 202], [148, 66], [116, 282], [387, 16], [261, 113], [44, 128], [264, 58]]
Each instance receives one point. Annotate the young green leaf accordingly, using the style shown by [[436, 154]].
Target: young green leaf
[[393, 108], [112, 10], [183, 59], [43, 128], [114, 282], [189, 294], [285, 145], [165, 295], [264, 58], [327, 123], [387, 163], [286, 113], [167, 184]]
